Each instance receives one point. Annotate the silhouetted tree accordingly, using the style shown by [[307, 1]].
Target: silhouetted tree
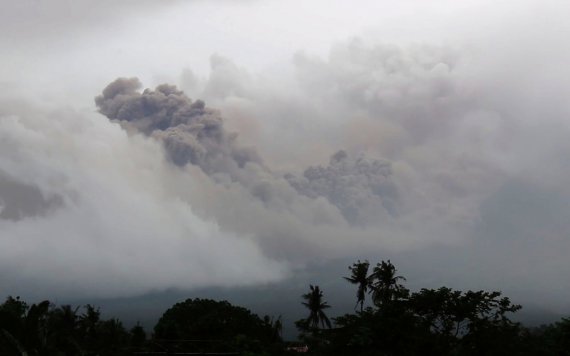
[[429, 322], [316, 305], [63, 325], [278, 328], [391, 330], [88, 322], [359, 276], [219, 325], [112, 337], [138, 337], [552, 339], [22, 328], [12, 314], [384, 284], [275, 325]]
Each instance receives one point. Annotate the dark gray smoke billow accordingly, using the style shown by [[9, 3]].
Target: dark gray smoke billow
[[191, 132], [358, 187], [19, 200]]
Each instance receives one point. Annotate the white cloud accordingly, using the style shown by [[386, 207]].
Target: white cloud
[[121, 230]]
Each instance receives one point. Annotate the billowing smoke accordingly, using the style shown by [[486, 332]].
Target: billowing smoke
[[471, 147], [19, 200], [362, 189], [355, 203], [422, 140], [191, 132]]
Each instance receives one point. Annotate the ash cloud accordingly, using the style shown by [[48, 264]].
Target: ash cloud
[[19, 200], [456, 128], [415, 110], [357, 187], [191, 132], [361, 189], [352, 204]]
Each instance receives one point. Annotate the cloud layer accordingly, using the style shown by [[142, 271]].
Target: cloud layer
[[88, 210]]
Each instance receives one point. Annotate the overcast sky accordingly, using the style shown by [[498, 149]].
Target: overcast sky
[[331, 130]]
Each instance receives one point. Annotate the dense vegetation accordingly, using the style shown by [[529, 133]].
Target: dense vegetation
[[399, 322], [203, 325]]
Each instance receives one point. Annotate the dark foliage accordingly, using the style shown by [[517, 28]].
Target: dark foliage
[[43, 329], [429, 322], [204, 325]]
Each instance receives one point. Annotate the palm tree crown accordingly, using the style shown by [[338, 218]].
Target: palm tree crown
[[360, 277], [384, 283], [316, 305]]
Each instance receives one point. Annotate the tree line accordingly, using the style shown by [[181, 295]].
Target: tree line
[[426, 322], [398, 321]]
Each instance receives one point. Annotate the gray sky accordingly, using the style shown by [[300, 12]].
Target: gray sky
[[452, 118]]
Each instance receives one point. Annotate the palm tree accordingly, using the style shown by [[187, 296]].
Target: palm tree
[[384, 283], [64, 323], [275, 325], [35, 333], [278, 328], [65, 319], [89, 323], [360, 276], [316, 305]]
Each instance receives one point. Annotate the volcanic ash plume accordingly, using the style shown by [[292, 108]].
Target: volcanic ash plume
[[361, 189], [357, 187], [191, 133]]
